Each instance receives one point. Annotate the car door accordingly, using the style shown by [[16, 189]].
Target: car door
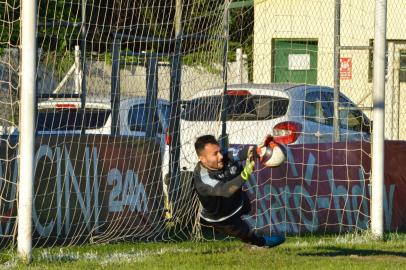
[[328, 107], [318, 117], [354, 125]]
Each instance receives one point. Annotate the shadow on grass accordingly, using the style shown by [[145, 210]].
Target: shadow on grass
[[336, 251]]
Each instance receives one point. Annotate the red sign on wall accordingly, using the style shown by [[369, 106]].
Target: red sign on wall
[[345, 68]]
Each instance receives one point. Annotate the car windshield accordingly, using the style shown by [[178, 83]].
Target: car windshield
[[238, 108], [68, 119]]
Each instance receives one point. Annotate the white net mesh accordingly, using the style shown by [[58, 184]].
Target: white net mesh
[[126, 87], [9, 92], [112, 76]]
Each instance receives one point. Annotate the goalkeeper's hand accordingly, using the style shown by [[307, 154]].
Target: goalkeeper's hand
[[249, 164]]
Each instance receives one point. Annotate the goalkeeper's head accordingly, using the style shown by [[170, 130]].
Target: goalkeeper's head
[[209, 152]]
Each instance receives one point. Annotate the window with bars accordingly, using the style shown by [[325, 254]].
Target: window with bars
[[402, 71]]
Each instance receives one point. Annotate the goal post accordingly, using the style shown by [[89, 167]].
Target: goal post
[[27, 127], [378, 153]]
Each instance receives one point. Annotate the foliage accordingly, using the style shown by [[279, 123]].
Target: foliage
[[58, 61], [60, 29], [9, 23], [242, 35], [105, 18]]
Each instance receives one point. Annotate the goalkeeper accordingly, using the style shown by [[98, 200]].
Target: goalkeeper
[[218, 182]]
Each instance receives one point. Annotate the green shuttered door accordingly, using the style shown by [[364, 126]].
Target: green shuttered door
[[294, 61]]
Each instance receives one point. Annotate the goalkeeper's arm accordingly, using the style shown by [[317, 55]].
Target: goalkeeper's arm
[[207, 186]]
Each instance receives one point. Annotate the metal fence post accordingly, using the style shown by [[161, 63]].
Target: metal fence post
[[224, 135], [152, 96], [115, 87], [174, 123], [83, 34], [337, 65]]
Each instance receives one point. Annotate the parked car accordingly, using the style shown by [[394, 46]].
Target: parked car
[[293, 114], [64, 116]]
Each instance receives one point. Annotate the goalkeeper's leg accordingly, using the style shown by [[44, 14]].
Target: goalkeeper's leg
[[236, 227]]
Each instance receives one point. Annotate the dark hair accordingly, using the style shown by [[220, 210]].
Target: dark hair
[[202, 141]]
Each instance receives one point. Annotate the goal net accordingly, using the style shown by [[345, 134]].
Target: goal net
[[124, 88]]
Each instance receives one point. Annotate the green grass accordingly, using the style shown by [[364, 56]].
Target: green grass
[[306, 252]]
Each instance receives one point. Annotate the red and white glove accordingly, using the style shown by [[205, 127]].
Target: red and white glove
[[260, 150]]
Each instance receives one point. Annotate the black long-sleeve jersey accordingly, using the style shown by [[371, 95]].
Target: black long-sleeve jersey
[[220, 191]]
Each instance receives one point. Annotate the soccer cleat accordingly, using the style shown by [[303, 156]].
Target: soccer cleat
[[273, 241]]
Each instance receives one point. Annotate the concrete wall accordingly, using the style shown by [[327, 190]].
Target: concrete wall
[[133, 79]]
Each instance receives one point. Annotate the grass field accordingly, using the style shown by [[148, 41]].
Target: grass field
[[306, 252]]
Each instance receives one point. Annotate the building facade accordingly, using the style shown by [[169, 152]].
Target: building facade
[[294, 42]]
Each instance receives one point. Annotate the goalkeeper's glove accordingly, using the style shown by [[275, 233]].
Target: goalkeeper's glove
[[268, 138], [249, 164]]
